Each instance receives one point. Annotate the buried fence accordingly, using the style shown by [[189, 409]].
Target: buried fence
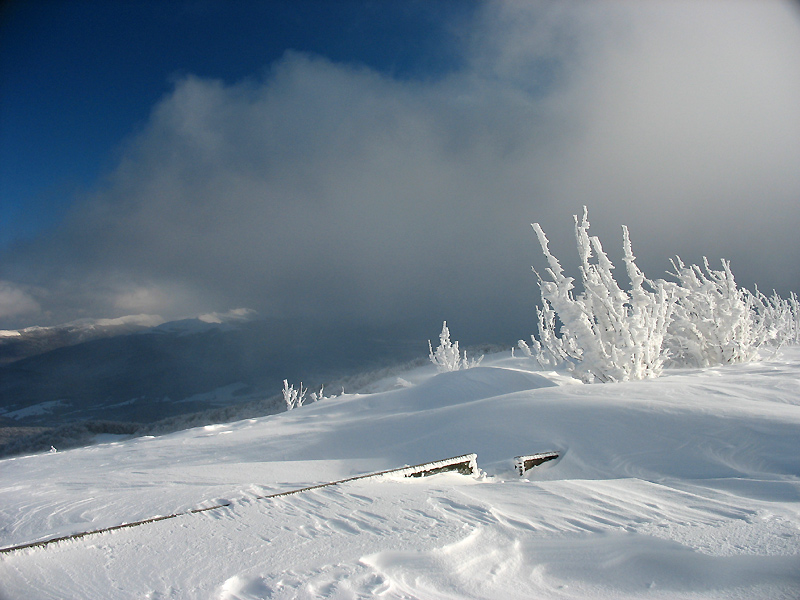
[[528, 461], [465, 464]]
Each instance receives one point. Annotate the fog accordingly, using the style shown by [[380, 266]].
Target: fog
[[334, 193]]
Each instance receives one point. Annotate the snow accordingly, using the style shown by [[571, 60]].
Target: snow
[[235, 314], [686, 486], [37, 409], [141, 320], [85, 325]]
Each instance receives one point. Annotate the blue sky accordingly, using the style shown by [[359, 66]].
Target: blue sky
[[78, 78], [380, 162]]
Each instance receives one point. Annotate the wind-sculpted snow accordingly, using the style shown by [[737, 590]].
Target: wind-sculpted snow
[[687, 486]]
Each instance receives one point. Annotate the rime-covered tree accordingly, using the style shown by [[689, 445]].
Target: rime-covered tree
[[447, 357], [607, 333]]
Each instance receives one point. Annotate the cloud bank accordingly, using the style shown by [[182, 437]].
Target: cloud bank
[[335, 193]]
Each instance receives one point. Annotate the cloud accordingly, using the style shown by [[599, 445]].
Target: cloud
[[15, 301], [332, 192], [698, 115]]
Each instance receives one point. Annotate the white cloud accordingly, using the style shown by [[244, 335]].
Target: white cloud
[[16, 301], [338, 193], [141, 300]]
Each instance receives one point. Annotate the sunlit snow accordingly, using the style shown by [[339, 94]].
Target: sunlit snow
[[687, 486]]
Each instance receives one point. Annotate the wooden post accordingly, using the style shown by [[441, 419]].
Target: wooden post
[[524, 463]]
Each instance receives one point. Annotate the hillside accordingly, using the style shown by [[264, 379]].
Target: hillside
[[687, 486], [171, 376]]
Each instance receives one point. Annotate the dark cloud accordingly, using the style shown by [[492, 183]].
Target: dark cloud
[[336, 193]]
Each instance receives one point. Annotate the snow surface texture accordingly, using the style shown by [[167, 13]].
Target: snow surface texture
[[687, 486]]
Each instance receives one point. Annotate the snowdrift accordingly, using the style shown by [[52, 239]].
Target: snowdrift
[[687, 486]]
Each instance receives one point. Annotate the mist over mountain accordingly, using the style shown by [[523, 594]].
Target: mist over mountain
[[126, 378], [19, 344]]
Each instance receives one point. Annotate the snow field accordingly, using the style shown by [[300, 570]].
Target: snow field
[[687, 486]]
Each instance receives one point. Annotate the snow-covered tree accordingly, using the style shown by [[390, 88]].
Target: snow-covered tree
[[776, 321], [293, 398], [714, 320], [606, 333], [317, 396], [610, 334], [447, 357]]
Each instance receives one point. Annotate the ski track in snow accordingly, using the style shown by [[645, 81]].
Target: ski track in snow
[[682, 487]]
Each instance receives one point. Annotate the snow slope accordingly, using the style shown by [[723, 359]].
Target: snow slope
[[683, 487]]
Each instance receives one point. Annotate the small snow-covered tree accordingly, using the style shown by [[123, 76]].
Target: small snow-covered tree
[[317, 396], [447, 357], [776, 321], [293, 398]]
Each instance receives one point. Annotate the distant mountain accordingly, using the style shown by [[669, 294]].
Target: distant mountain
[[125, 373], [18, 344]]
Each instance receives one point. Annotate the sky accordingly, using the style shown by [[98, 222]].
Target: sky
[[380, 162]]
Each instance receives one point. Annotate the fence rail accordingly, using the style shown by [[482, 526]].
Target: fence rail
[[465, 464]]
